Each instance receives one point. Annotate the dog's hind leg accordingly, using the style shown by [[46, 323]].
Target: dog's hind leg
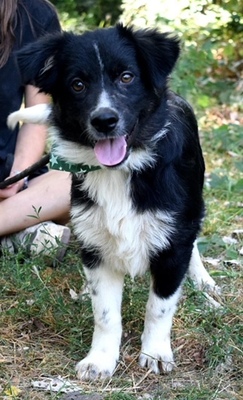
[[198, 273], [106, 293]]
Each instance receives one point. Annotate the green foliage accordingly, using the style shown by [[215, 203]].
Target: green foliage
[[209, 70], [69, 6], [80, 15], [228, 138]]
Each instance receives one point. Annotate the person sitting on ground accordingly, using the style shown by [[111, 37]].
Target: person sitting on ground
[[34, 210]]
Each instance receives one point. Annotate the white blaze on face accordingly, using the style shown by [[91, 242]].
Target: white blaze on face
[[100, 62], [110, 151], [104, 101]]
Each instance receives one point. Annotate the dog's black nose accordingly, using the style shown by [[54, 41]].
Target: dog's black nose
[[104, 120]]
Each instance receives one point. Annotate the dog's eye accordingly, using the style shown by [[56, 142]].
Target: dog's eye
[[78, 85], [126, 77]]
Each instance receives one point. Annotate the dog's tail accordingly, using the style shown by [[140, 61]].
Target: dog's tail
[[38, 114]]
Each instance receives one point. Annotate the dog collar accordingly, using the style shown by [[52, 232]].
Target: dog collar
[[61, 165]]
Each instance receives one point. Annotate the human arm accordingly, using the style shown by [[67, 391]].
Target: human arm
[[30, 142]]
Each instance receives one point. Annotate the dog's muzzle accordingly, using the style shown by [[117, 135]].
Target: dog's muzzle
[[110, 149]]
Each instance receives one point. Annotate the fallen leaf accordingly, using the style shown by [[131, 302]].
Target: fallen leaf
[[12, 391], [58, 384]]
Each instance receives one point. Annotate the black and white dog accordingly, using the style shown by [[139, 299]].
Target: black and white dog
[[143, 208]]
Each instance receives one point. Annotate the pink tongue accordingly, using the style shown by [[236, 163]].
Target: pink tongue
[[111, 151]]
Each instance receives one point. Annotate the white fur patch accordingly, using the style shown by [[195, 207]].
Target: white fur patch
[[156, 348], [126, 238], [103, 101], [138, 160], [97, 51], [72, 152], [106, 292], [38, 114]]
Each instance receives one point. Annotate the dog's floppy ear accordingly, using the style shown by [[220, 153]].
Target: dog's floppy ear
[[37, 62], [157, 52]]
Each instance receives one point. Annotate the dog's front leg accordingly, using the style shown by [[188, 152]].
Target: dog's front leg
[[168, 269], [156, 350], [106, 294]]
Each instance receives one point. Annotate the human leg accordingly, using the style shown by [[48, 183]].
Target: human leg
[[26, 218], [47, 198]]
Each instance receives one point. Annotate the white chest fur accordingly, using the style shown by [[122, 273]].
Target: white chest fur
[[124, 237]]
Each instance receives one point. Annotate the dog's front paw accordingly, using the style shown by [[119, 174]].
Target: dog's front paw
[[157, 359], [98, 365]]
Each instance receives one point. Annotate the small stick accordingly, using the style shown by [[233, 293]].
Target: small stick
[[26, 172]]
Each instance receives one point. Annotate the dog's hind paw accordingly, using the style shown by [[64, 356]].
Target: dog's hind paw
[[96, 366], [209, 285], [157, 362]]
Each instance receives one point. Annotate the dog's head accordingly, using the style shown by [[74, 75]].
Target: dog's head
[[105, 86]]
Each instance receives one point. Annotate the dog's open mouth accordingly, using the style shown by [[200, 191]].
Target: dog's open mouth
[[111, 152]]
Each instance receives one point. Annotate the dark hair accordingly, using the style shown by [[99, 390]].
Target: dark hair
[[8, 12], [8, 20]]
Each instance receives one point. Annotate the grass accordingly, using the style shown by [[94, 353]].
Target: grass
[[44, 331]]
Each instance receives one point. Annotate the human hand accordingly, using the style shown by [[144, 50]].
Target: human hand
[[11, 190]]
